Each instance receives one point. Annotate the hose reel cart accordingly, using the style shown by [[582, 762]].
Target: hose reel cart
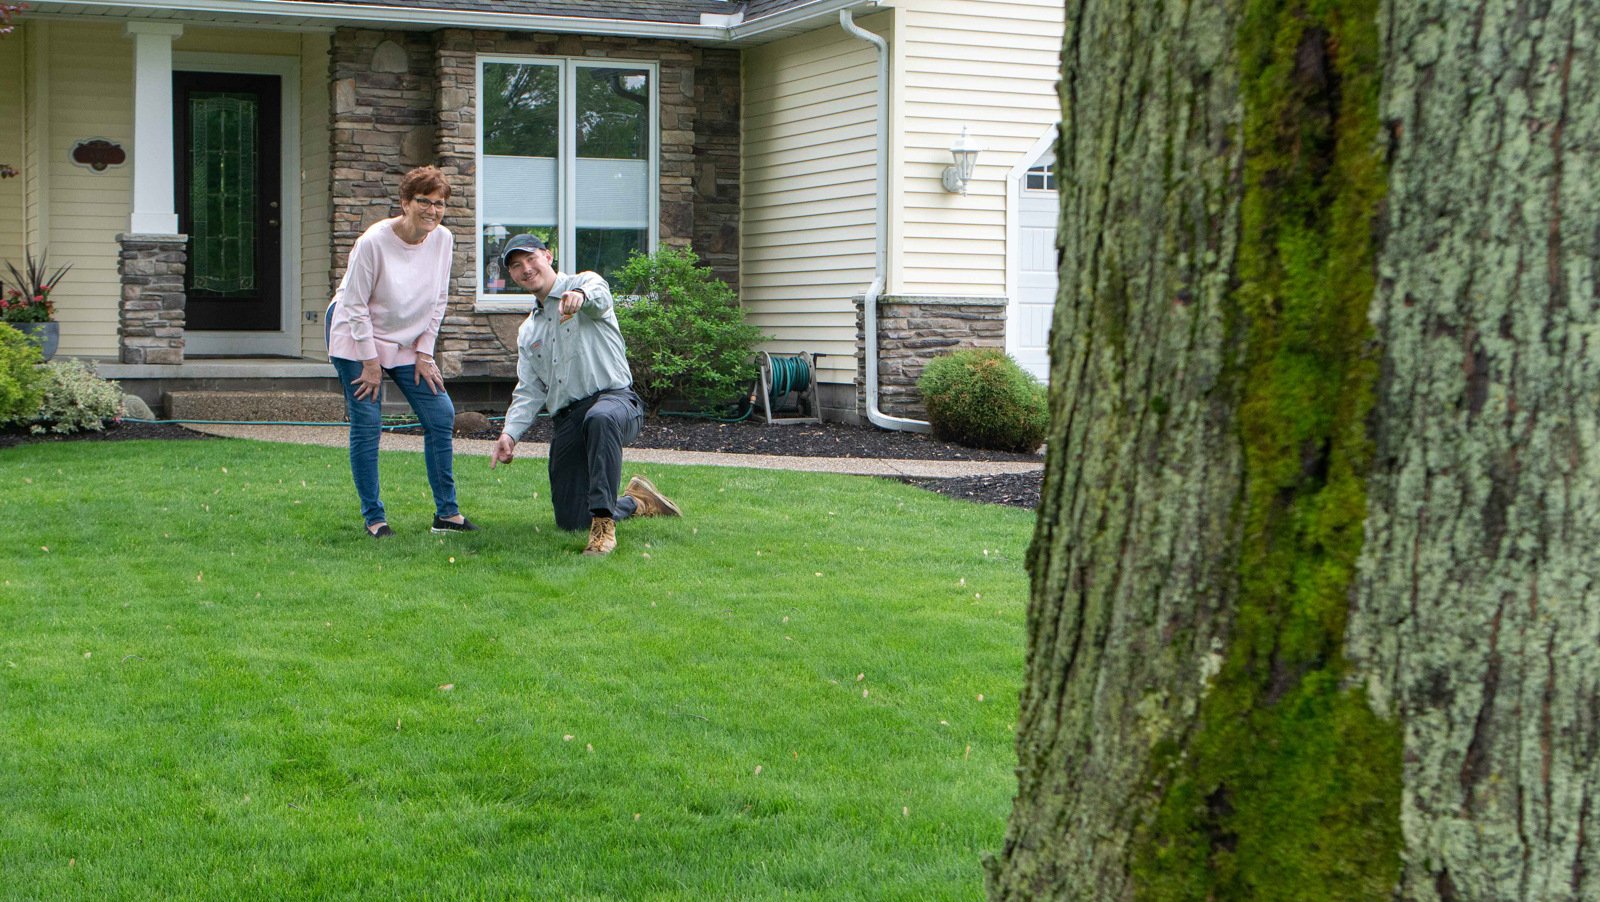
[[783, 375]]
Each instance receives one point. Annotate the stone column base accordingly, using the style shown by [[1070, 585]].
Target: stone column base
[[913, 330], [150, 318]]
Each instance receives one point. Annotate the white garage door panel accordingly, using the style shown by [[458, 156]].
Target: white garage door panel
[[1035, 302]]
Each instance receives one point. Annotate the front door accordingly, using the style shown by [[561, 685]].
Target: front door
[[229, 199]]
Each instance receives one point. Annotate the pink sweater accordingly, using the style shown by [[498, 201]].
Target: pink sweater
[[392, 298]]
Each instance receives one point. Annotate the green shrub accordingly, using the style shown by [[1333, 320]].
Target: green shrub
[[75, 398], [21, 381], [686, 334], [983, 399]]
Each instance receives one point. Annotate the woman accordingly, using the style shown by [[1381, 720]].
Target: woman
[[384, 319]]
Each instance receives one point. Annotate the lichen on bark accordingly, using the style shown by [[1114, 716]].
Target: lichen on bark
[[1477, 616]]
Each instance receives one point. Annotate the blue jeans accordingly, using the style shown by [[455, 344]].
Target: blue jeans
[[438, 418]]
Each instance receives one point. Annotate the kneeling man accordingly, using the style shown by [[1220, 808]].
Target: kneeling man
[[571, 361]]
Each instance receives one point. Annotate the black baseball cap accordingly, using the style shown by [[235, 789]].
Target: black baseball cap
[[522, 242]]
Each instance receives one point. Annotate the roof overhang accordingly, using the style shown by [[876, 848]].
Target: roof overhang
[[298, 15]]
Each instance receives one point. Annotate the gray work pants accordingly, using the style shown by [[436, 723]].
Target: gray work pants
[[586, 457]]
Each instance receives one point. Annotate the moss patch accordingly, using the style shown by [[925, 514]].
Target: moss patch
[[1291, 787]]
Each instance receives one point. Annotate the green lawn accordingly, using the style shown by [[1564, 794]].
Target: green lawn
[[213, 685]]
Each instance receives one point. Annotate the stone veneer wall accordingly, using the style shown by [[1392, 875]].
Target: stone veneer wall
[[912, 331], [714, 120], [150, 316], [404, 99]]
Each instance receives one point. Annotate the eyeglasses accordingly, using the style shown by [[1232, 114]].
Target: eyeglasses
[[429, 202]]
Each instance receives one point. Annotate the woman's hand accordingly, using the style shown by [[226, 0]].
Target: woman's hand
[[428, 371], [371, 379]]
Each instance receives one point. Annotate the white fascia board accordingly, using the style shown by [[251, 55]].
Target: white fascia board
[[367, 14], [815, 13]]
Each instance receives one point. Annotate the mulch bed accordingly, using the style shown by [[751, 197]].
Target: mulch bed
[[831, 440], [11, 436], [751, 436]]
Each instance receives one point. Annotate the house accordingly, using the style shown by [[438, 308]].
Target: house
[[205, 166]]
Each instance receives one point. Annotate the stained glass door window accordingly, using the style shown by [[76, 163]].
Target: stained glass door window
[[223, 135]]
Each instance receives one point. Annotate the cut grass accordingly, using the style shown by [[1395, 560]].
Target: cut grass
[[212, 684]]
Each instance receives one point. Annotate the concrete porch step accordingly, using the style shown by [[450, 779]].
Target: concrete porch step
[[256, 406]]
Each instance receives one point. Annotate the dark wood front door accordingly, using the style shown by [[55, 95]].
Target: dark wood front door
[[229, 199]]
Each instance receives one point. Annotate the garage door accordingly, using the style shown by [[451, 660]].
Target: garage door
[[1028, 321]]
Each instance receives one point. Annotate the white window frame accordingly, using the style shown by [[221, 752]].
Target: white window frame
[[566, 163]]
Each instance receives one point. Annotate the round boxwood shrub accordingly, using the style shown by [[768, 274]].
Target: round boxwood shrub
[[983, 399], [686, 333], [21, 382]]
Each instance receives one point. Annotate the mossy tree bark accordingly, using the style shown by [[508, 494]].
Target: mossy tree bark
[[1311, 610]]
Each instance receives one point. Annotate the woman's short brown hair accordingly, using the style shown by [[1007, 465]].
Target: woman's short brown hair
[[423, 180]]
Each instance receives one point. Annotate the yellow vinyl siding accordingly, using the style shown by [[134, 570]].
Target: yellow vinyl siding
[[89, 70], [254, 41], [13, 150], [989, 65], [314, 211], [35, 180], [807, 235]]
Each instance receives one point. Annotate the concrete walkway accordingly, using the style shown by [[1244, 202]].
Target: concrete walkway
[[335, 437]]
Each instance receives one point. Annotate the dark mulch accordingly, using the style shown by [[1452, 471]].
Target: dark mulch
[[11, 436], [1015, 489], [746, 437], [751, 436], [831, 440]]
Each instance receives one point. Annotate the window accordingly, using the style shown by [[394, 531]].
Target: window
[[1041, 178], [567, 151]]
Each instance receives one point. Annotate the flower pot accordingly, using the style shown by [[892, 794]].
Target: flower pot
[[46, 335]]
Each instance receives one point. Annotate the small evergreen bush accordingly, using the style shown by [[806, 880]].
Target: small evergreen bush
[[21, 381], [75, 399], [983, 399], [686, 334]]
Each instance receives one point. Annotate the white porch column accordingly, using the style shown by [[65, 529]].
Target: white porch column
[[154, 201]]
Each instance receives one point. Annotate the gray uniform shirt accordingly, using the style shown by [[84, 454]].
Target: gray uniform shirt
[[558, 363]]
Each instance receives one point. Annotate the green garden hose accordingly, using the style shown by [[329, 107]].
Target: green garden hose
[[789, 374]]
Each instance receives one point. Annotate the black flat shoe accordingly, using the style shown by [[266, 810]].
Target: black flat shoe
[[441, 525], [382, 532]]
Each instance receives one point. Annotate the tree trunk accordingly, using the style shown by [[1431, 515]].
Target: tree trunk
[[1310, 613]]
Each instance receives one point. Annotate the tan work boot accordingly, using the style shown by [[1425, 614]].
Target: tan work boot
[[651, 502], [602, 536]]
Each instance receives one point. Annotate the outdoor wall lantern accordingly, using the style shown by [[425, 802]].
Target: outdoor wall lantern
[[965, 152]]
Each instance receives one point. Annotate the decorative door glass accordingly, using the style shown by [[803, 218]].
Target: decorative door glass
[[223, 179]]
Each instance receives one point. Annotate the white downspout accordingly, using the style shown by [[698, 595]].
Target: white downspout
[[869, 303]]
